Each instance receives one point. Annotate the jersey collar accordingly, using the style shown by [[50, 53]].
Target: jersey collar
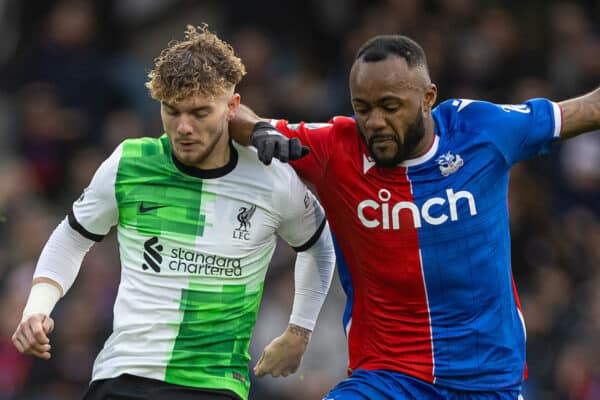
[[411, 162], [208, 173]]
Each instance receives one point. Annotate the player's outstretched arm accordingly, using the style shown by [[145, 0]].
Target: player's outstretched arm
[[580, 114], [31, 335], [248, 128]]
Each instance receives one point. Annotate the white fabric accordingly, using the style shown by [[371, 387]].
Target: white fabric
[[313, 273], [62, 255], [96, 210], [42, 299]]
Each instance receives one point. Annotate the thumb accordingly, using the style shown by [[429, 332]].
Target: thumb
[[48, 324], [258, 367]]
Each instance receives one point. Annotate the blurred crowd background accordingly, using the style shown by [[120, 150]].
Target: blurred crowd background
[[71, 88]]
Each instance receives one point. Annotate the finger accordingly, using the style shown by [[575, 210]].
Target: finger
[[295, 149], [266, 153], [48, 325], [38, 332], [283, 151], [16, 339], [304, 152], [41, 348], [45, 355], [28, 334], [258, 368]]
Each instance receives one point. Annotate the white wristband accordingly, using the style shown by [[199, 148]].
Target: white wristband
[[42, 299]]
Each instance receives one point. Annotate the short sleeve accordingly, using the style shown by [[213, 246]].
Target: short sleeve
[[303, 218], [318, 137], [519, 131], [96, 210]]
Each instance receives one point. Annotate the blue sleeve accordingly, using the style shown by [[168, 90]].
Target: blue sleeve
[[518, 131]]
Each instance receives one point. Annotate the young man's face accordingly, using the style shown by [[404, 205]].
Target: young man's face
[[197, 127], [390, 102]]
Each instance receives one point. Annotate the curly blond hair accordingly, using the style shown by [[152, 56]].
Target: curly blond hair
[[202, 63]]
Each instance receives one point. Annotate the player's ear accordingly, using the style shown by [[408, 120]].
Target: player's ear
[[233, 104], [430, 97]]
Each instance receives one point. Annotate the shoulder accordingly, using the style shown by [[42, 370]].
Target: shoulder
[[336, 123], [252, 168], [470, 116], [455, 109]]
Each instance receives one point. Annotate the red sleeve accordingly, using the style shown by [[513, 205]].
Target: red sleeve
[[319, 138]]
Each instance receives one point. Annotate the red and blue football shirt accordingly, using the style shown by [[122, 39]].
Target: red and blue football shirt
[[424, 248]]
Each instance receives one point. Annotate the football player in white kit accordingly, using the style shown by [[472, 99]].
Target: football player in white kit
[[197, 219]]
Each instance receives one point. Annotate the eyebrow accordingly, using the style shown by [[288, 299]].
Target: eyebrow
[[196, 109], [381, 100]]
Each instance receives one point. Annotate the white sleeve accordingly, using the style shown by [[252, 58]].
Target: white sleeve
[[312, 277], [303, 217], [96, 211], [62, 255]]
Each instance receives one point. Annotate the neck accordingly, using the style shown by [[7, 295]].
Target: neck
[[427, 140], [218, 157]]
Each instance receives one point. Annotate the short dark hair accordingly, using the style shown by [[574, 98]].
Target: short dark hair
[[380, 47]]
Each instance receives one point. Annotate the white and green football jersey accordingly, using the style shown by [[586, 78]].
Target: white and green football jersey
[[195, 246]]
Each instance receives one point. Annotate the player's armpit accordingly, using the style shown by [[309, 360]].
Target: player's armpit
[[580, 114]]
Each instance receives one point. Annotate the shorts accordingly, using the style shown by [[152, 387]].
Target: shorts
[[130, 387], [388, 385]]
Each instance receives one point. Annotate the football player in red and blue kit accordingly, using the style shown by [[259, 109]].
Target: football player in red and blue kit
[[416, 197]]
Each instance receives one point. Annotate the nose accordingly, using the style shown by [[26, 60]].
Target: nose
[[184, 127], [375, 121]]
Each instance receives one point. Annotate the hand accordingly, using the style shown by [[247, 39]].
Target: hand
[[31, 335], [271, 143], [284, 354]]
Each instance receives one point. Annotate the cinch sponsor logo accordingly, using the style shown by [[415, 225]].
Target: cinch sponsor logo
[[373, 214]]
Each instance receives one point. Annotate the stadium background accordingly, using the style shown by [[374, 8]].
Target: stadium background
[[71, 87]]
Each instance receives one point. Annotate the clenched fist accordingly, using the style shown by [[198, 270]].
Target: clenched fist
[[283, 355], [31, 335]]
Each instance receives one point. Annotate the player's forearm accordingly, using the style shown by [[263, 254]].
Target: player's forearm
[[61, 258], [313, 274], [240, 127], [302, 334], [43, 296], [581, 114]]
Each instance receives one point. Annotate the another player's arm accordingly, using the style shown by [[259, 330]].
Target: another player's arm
[[580, 114], [241, 126], [247, 128]]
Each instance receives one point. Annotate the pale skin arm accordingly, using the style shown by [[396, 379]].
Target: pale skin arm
[[283, 355], [31, 335], [580, 114], [240, 126]]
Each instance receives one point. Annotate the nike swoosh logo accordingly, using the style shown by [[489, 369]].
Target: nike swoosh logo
[[143, 209]]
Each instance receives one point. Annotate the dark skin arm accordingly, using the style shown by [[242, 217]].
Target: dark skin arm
[[580, 114], [240, 127]]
